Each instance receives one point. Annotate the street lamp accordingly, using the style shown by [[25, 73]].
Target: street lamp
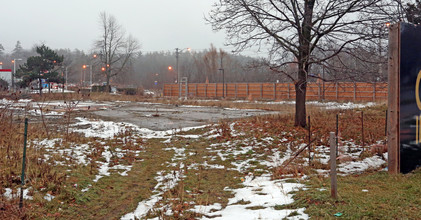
[[90, 71], [94, 56], [177, 54], [14, 72]]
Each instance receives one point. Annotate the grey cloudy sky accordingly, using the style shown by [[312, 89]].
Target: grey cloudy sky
[[159, 25]]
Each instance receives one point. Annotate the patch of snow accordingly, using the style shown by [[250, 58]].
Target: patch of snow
[[104, 168], [10, 195], [165, 182], [49, 197], [98, 128], [205, 209], [360, 166], [258, 191]]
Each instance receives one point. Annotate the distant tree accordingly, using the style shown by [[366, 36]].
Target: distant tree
[[210, 59], [18, 50], [40, 67], [413, 12], [3, 85], [1, 49], [294, 30], [115, 49]]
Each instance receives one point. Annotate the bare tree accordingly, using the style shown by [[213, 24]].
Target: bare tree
[[211, 64], [294, 30], [115, 49]]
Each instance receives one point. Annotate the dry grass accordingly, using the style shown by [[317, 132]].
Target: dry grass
[[200, 187], [40, 174]]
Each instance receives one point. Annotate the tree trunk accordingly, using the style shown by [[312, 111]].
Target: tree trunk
[[108, 87], [300, 102], [40, 86], [303, 64]]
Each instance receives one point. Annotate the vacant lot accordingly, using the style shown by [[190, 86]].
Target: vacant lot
[[97, 160]]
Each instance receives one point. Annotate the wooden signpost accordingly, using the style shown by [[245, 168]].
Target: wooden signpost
[[404, 102]]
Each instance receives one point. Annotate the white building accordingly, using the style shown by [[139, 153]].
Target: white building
[[6, 75]]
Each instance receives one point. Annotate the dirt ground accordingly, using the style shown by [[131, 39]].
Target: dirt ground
[[161, 117]]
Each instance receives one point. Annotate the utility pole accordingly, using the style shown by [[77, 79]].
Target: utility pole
[[66, 77], [14, 73], [177, 54], [223, 76], [90, 71], [323, 81]]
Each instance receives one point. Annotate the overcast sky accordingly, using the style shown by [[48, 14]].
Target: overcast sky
[[159, 25]]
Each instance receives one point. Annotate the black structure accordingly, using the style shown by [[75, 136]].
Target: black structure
[[410, 104]]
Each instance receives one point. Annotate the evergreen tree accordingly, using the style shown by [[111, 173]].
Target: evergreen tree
[[18, 51], [413, 12], [41, 67], [1, 49]]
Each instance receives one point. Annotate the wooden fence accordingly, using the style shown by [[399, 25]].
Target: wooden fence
[[340, 91]]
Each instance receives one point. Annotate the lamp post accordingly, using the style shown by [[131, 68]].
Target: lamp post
[[14, 72], [94, 56], [177, 54], [90, 72]]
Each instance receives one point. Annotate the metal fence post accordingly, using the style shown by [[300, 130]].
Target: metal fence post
[[309, 141], [22, 178], [333, 178]]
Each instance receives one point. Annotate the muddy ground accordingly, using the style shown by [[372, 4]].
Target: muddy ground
[[161, 117]]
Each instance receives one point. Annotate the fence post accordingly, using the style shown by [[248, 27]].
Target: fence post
[[374, 92], [289, 92], [362, 129], [22, 178], [319, 91], [355, 91], [333, 179], [206, 90], [236, 92], [336, 85], [337, 133], [187, 89], [274, 91], [309, 141], [247, 90], [216, 90], [261, 90], [196, 90]]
